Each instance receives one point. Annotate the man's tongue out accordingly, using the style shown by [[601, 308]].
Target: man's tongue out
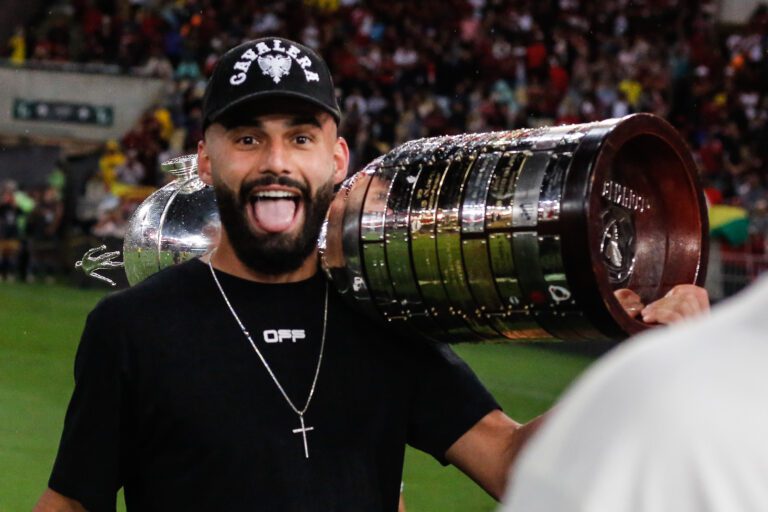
[[274, 215]]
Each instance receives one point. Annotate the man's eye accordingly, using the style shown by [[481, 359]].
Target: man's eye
[[247, 140], [302, 139]]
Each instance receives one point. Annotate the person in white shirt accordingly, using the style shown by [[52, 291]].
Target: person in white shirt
[[676, 420]]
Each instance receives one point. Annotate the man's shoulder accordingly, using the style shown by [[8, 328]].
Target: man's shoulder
[[166, 287]]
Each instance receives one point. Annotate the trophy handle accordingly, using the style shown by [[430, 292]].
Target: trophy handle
[[92, 262]]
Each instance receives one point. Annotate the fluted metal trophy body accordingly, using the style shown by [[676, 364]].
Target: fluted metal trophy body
[[520, 235]]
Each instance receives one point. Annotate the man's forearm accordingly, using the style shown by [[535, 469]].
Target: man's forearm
[[523, 434], [51, 501], [488, 450]]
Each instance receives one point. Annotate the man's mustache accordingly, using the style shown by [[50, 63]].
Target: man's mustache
[[269, 180]]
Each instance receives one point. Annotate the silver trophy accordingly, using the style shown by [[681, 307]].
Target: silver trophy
[[178, 222], [519, 235]]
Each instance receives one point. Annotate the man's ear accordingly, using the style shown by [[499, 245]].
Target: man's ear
[[340, 159], [204, 164]]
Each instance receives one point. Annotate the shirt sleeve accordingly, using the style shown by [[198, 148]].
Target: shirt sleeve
[[87, 466], [448, 399]]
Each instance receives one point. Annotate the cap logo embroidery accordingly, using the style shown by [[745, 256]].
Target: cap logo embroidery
[[274, 61], [275, 66]]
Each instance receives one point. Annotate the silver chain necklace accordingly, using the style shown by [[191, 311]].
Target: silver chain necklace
[[300, 412]]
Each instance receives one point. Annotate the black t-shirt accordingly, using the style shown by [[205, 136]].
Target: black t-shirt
[[172, 402]]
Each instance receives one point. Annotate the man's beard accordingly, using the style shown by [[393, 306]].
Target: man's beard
[[272, 253]]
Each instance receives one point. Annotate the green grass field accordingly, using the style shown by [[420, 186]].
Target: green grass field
[[39, 330]]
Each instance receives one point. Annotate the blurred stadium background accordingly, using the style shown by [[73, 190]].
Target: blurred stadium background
[[94, 94]]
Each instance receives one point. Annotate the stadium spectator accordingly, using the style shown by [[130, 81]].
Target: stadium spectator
[[17, 46], [10, 240], [143, 145], [90, 202], [112, 219], [112, 158], [43, 231], [131, 172]]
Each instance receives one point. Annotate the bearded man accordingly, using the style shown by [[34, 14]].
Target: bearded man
[[242, 381]]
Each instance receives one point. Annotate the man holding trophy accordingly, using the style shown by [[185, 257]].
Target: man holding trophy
[[242, 380]]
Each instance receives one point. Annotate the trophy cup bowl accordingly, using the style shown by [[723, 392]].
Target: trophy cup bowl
[[175, 223]]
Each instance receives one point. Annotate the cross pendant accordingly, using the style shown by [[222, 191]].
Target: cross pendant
[[303, 431]]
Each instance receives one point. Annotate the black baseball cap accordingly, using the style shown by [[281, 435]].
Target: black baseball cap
[[268, 68]]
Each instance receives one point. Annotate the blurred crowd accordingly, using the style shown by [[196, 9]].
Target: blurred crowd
[[411, 69]]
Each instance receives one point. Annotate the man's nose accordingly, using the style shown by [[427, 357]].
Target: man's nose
[[276, 159]]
